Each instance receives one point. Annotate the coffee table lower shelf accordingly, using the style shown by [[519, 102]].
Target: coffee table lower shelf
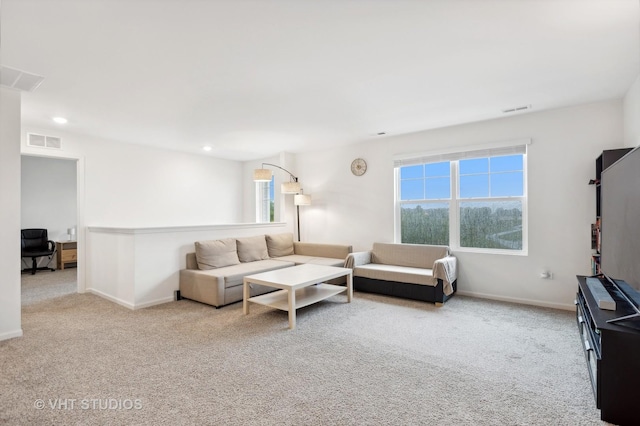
[[299, 286], [304, 297]]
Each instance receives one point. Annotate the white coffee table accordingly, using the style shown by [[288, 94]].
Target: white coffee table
[[297, 287]]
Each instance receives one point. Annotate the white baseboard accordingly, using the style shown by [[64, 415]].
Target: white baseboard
[[111, 298], [565, 307], [128, 305], [154, 302], [11, 334]]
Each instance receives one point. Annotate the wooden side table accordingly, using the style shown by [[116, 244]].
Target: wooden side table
[[67, 253]]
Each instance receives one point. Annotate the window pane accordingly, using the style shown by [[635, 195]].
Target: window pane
[[271, 189], [506, 163], [272, 197], [411, 172], [265, 205], [437, 188], [412, 189], [474, 186], [262, 202], [507, 184], [437, 169], [476, 165], [427, 193], [495, 224], [426, 223]]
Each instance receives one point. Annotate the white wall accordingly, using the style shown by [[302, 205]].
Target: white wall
[[360, 210], [10, 322], [126, 185], [135, 186], [141, 267], [130, 185], [48, 195], [632, 115]]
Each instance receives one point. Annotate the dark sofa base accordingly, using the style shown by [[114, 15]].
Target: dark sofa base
[[425, 293]]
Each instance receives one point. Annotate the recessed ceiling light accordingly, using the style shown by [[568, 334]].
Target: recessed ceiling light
[[381, 133], [206, 148], [60, 120]]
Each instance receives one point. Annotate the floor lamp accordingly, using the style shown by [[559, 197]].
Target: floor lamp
[[301, 200], [291, 187], [264, 175]]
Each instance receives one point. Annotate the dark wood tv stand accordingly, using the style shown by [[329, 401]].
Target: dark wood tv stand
[[612, 352]]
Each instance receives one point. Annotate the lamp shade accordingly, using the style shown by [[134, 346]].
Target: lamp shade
[[290, 188], [262, 175], [302, 200]]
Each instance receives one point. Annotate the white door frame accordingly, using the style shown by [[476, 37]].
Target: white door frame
[[80, 232]]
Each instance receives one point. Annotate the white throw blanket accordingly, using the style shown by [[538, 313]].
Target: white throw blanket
[[445, 269]]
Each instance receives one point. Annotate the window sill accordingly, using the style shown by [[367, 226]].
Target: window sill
[[489, 251]]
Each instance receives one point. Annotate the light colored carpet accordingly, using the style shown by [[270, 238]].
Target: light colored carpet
[[376, 361], [46, 285]]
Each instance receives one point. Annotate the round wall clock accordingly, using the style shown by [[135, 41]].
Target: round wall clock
[[358, 167]]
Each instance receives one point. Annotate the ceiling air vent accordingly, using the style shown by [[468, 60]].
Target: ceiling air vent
[[517, 109], [43, 141], [21, 80]]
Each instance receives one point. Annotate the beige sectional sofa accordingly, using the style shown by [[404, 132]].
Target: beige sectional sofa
[[214, 272], [413, 271]]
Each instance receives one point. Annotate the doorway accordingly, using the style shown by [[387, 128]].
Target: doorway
[[49, 200]]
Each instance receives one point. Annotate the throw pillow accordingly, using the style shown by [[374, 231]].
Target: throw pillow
[[216, 253], [252, 248], [280, 245]]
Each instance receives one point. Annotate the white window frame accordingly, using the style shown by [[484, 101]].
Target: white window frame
[[263, 202], [454, 156]]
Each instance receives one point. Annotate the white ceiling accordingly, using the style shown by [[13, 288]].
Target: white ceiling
[[256, 77]]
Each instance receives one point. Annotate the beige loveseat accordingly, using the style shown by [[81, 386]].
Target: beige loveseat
[[413, 271], [214, 272]]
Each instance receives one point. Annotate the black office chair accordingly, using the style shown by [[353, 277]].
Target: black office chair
[[35, 244]]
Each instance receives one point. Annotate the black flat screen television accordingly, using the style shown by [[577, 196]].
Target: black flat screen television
[[620, 239]]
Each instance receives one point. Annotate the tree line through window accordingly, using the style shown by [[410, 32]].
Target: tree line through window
[[467, 202]]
